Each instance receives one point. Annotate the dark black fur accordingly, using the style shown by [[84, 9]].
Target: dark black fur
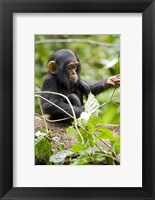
[[74, 91]]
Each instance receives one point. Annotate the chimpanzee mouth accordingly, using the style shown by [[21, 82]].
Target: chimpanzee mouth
[[73, 80]]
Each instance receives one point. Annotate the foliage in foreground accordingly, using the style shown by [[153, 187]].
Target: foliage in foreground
[[94, 144]]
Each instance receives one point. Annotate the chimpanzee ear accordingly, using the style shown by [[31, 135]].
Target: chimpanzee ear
[[52, 67]]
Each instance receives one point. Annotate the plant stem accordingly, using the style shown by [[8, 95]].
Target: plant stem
[[48, 120], [42, 114], [59, 94]]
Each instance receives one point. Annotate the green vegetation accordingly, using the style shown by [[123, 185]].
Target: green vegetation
[[99, 56], [94, 144]]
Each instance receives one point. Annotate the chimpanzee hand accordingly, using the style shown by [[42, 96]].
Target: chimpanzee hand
[[114, 80]]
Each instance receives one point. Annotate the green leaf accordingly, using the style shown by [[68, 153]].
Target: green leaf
[[95, 119], [43, 150], [61, 146], [60, 156], [42, 130], [82, 160], [39, 136], [38, 139], [105, 134], [92, 138], [88, 151], [99, 159], [110, 161], [77, 147], [117, 145], [91, 128], [39, 133], [72, 132], [49, 133], [84, 134], [91, 105]]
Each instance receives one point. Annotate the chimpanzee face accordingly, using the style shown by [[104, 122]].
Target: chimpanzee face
[[71, 71], [65, 65]]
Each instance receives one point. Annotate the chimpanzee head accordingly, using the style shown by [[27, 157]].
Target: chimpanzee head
[[65, 66]]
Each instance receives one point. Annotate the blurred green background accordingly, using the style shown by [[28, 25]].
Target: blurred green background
[[99, 56]]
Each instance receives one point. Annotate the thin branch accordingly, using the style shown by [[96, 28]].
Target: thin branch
[[112, 97], [115, 103], [107, 145], [108, 101], [42, 114], [59, 94], [77, 41], [56, 120], [113, 94], [54, 105]]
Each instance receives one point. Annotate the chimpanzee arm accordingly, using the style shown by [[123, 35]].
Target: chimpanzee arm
[[95, 87], [99, 86], [84, 87]]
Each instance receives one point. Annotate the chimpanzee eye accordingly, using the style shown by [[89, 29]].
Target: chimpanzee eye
[[69, 68]]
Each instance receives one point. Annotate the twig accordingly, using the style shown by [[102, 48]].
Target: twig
[[56, 120], [77, 41], [111, 99], [54, 105], [114, 103], [113, 94], [59, 94], [42, 114], [108, 102], [109, 147]]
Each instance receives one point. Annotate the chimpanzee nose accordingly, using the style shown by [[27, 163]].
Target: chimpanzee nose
[[73, 72]]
